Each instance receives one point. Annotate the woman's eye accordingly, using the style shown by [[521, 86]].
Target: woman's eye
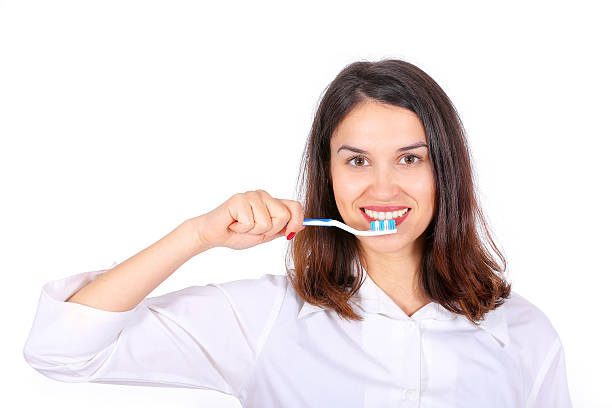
[[358, 159], [413, 159]]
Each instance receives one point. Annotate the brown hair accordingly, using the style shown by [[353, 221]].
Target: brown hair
[[457, 271]]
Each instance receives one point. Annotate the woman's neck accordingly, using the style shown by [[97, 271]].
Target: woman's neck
[[397, 275]]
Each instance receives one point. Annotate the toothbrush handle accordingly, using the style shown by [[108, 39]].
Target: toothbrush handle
[[328, 222], [309, 220]]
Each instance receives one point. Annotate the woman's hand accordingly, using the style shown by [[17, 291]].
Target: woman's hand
[[248, 219]]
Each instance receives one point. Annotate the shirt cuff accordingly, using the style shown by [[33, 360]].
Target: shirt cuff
[[67, 332]]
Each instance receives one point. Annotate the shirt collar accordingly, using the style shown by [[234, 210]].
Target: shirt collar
[[496, 325], [372, 299]]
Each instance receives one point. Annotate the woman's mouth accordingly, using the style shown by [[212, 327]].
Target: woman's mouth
[[398, 216]]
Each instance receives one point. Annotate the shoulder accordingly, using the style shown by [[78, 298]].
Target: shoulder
[[538, 350], [530, 331], [250, 301], [254, 299], [269, 294], [256, 303], [243, 291], [247, 306], [255, 290], [525, 319]]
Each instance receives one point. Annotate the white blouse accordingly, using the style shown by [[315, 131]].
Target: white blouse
[[258, 340]]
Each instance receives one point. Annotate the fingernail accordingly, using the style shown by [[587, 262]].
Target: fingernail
[[290, 236]]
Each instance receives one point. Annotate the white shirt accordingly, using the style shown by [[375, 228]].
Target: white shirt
[[258, 340]]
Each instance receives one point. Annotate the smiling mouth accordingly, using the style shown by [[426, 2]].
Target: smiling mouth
[[398, 216]]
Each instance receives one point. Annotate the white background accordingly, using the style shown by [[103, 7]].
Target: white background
[[121, 119]]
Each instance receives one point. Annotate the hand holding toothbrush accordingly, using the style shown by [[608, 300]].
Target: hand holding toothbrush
[[248, 219]]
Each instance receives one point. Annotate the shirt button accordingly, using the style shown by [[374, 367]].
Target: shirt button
[[410, 325], [410, 395]]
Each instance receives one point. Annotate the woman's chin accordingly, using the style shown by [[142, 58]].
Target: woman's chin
[[386, 243]]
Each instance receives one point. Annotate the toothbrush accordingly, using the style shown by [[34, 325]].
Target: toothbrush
[[382, 227]]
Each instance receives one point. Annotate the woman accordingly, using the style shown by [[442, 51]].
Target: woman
[[420, 318]]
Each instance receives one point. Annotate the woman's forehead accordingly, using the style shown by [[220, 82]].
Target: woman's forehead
[[375, 124]]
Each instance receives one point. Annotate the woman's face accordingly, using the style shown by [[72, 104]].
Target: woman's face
[[379, 158]]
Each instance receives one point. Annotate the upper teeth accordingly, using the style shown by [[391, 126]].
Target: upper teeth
[[385, 215]]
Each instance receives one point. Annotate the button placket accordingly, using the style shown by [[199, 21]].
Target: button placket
[[410, 325], [410, 394]]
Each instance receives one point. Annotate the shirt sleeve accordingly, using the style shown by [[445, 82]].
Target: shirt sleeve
[[550, 387], [198, 337]]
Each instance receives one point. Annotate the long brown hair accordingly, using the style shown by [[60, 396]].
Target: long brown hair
[[458, 270]]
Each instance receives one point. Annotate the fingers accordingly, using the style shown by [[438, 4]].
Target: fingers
[[260, 200], [239, 209], [296, 221], [279, 215], [257, 212], [287, 215]]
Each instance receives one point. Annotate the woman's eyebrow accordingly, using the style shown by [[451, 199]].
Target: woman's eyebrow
[[401, 149]]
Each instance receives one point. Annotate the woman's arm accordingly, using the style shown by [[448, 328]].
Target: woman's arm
[[198, 337], [127, 284], [242, 221]]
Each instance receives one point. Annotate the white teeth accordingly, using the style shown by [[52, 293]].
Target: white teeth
[[385, 215]]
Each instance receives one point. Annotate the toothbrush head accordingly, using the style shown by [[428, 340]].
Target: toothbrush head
[[383, 225]]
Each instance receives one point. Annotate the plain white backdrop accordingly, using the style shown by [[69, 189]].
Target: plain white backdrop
[[121, 119]]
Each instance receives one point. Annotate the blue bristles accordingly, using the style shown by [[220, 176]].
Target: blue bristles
[[382, 225]]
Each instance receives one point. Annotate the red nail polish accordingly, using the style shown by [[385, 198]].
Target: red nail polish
[[290, 236]]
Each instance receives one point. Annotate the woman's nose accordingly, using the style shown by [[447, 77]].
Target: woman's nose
[[385, 185]]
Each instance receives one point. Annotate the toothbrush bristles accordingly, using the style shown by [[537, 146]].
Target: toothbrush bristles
[[382, 225]]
